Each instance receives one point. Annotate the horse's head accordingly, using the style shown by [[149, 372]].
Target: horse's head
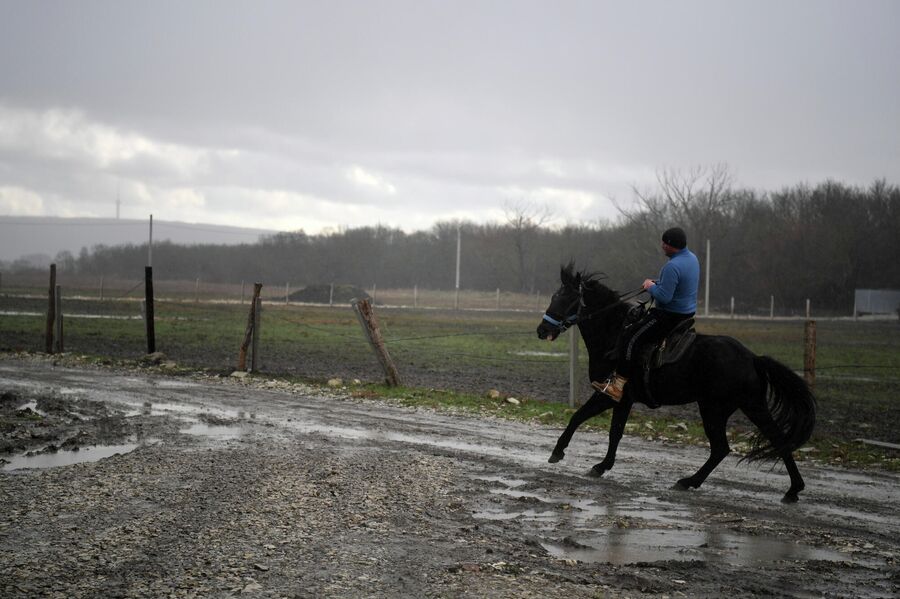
[[564, 307]]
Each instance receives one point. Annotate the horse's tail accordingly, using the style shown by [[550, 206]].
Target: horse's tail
[[792, 406]]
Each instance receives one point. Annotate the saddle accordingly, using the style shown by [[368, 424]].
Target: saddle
[[668, 351], [672, 348]]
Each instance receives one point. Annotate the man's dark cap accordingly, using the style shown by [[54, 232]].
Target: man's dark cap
[[675, 237]]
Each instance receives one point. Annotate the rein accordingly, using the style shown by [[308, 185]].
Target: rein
[[579, 316]]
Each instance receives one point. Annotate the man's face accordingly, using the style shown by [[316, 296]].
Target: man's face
[[668, 250]]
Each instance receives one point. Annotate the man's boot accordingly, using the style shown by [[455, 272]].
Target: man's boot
[[613, 386]]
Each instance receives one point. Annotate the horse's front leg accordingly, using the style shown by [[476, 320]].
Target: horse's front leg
[[597, 404], [620, 415]]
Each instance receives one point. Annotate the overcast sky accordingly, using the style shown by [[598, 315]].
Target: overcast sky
[[317, 115]]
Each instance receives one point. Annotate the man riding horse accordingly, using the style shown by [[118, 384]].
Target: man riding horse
[[675, 294]]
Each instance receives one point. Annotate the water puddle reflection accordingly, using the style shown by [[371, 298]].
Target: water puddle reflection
[[219, 431], [629, 546], [64, 457]]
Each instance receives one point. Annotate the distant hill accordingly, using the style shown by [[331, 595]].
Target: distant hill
[[42, 238]]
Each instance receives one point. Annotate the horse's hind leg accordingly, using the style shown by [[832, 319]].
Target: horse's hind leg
[[797, 483], [714, 423], [767, 426], [597, 404]]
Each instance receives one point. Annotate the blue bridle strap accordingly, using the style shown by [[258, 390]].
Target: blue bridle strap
[[562, 324]]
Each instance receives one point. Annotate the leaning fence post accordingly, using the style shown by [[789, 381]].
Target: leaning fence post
[[369, 324], [809, 353], [60, 348], [573, 367], [248, 333], [51, 311]]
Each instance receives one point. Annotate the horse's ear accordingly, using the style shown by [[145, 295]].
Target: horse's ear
[[567, 273]]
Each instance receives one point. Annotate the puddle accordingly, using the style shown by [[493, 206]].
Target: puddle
[[429, 441], [629, 546], [511, 483], [93, 453], [174, 384], [540, 354], [213, 430], [169, 409], [580, 511]]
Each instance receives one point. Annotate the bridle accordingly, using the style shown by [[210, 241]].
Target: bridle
[[578, 315]]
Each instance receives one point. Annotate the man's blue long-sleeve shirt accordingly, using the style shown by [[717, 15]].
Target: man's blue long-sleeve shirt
[[679, 281]]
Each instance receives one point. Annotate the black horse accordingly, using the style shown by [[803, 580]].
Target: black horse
[[717, 372]]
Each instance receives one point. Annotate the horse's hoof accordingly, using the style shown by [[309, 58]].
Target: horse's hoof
[[596, 472], [790, 498], [683, 485], [555, 457]]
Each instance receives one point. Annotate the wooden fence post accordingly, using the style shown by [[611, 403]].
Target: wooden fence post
[[101, 288], [369, 324], [331, 295], [248, 333], [51, 311], [498, 298], [415, 296], [809, 354], [60, 347], [257, 319], [573, 366], [148, 294]]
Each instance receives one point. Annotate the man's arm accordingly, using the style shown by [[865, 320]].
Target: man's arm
[[663, 290]]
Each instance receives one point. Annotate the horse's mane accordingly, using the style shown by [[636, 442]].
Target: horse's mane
[[591, 282]]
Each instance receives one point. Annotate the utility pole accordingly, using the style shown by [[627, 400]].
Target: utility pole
[[458, 253], [706, 286], [150, 245]]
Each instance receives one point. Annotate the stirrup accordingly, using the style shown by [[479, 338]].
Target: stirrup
[[613, 387]]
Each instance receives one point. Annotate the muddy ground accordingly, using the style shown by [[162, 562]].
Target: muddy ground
[[206, 486]]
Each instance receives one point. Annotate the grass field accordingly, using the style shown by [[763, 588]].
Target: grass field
[[452, 358]]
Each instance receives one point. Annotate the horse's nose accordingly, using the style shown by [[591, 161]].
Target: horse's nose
[[545, 332]]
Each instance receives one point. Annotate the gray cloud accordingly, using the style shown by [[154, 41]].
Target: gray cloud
[[288, 114]]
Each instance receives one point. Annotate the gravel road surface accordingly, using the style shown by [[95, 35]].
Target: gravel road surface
[[137, 483]]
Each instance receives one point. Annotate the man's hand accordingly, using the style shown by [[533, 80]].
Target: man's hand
[[648, 283]]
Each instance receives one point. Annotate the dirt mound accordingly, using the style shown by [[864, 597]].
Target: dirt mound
[[321, 294]]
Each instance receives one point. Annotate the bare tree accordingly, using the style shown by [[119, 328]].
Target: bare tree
[[524, 219], [698, 199]]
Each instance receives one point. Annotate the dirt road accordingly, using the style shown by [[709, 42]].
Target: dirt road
[[218, 487]]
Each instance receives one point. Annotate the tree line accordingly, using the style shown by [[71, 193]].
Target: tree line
[[819, 242]]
